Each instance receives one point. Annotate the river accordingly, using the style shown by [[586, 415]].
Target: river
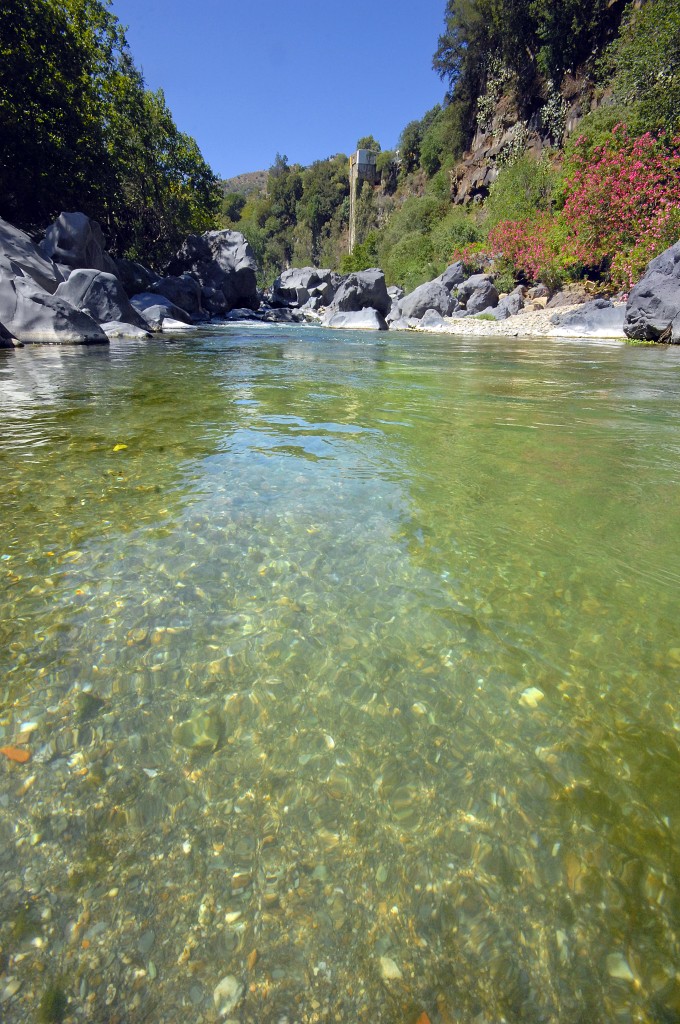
[[348, 669]]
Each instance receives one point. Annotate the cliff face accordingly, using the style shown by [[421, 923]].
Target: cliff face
[[511, 129]]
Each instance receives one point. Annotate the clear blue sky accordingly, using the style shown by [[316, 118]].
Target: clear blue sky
[[252, 78]]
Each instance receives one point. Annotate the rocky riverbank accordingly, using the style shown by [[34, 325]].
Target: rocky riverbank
[[69, 290]]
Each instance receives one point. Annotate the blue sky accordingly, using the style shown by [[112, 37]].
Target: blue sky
[[252, 78]]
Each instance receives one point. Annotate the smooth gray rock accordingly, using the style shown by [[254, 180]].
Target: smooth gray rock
[[224, 265], [101, 295], [398, 325], [654, 302], [395, 293], [183, 291], [431, 295], [365, 289], [116, 329], [597, 319], [568, 296], [432, 320], [675, 331], [26, 258], [148, 304], [539, 291], [509, 306], [453, 276], [242, 314], [135, 277], [472, 284], [356, 320], [482, 297], [76, 242], [295, 287], [34, 316]]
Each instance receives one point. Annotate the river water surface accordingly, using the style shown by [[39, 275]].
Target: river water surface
[[348, 668]]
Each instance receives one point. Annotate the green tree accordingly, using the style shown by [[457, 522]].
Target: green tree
[[368, 142], [645, 63], [80, 131]]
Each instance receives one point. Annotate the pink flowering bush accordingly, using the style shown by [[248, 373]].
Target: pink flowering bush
[[621, 208], [622, 203], [528, 248]]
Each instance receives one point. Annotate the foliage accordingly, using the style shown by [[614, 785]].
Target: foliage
[[363, 256], [368, 142], [522, 188], [80, 131], [444, 139], [645, 64], [388, 169], [232, 207], [622, 202], [525, 39]]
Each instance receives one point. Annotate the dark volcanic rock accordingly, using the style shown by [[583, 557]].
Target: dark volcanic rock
[[298, 286], [183, 291], [366, 319], [365, 289], [431, 295], [597, 319], [101, 295], [26, 258], [76, 242], [31, 314], [135, 277], [224, 265], [654, 303], [155, 308], [453, 276]]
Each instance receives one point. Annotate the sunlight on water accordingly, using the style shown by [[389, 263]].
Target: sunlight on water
[[349, 673]]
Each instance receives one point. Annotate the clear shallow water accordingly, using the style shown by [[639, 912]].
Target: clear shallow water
[[360, 658]]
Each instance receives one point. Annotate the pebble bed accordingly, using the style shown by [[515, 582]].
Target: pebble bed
[[346, 674]]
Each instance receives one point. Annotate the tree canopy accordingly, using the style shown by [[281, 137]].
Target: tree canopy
[[80, 131]]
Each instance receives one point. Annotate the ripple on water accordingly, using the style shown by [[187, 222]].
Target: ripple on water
[[348, 674]]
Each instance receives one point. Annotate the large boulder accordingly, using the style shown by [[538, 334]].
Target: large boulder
[[183, 291], [135, 277], [356, 320], [299, 286], [26, 258], [224, 265], [597, 319], [508, 306], [453, 276], [433, 321], [33, 315], [431, 295], [365, 289], [153, 308], [478, 293], [101, 295], [76, 242], [654, 302]]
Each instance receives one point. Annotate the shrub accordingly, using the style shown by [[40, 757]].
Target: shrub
[[622, 203], [521, 189]]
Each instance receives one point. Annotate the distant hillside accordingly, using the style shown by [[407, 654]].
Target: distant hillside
[[252, 183]]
